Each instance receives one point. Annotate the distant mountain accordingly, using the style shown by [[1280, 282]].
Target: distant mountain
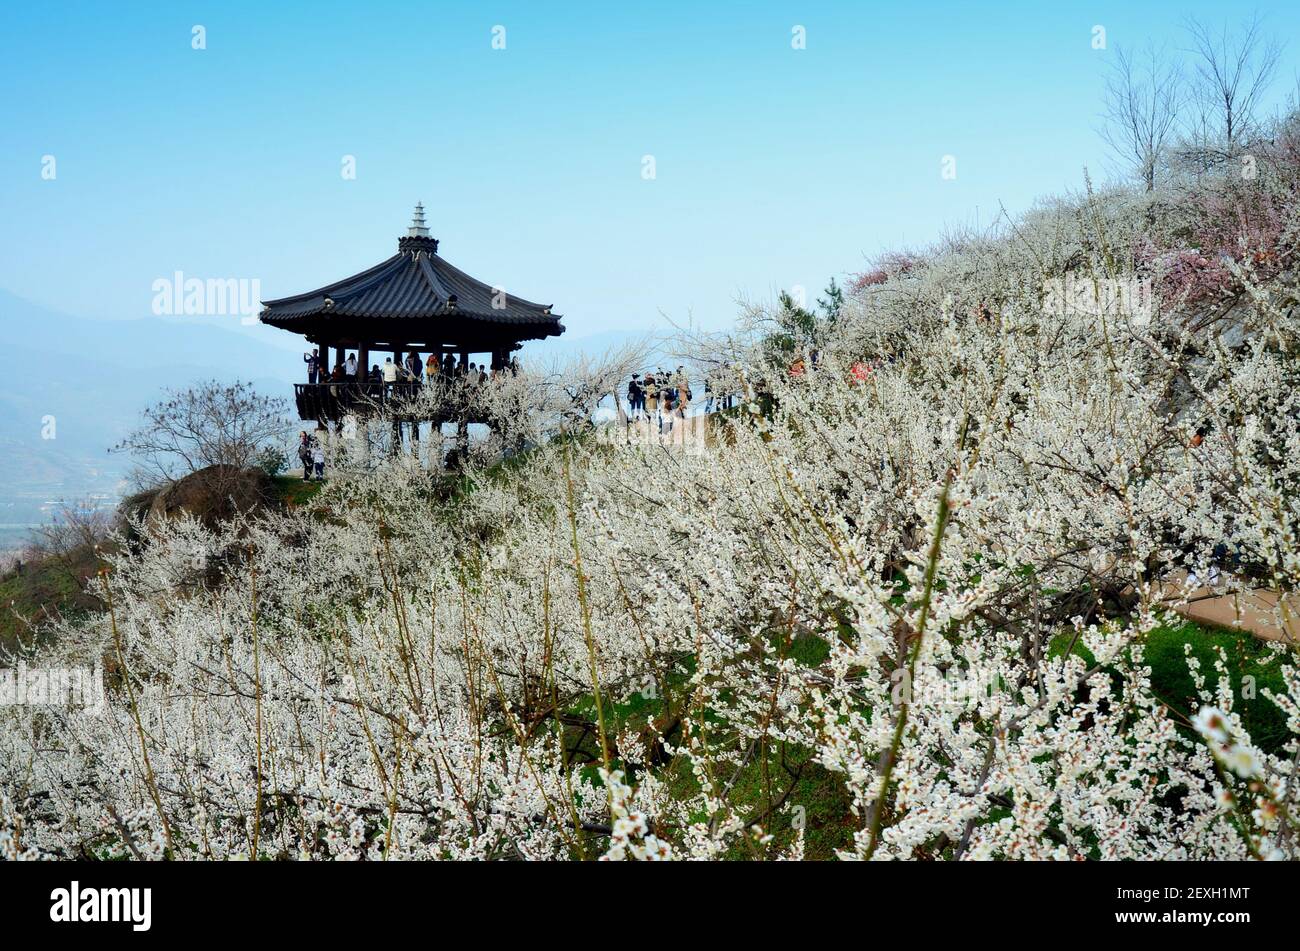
[[73, 387], [568, 346]]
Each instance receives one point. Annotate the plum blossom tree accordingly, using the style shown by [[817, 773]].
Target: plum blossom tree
[[933, 588]]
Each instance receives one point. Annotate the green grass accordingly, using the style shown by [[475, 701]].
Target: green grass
[[1252, 667], [791, 789], [294, 491]]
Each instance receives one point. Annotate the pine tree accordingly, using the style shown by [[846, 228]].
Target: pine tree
[[830, 307]]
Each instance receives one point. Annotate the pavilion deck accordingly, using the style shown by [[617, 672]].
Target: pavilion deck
[[332, 402]]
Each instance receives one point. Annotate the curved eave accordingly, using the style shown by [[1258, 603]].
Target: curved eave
[[294, 321], [385, 327]]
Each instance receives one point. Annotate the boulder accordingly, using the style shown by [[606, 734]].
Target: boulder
[[215, 494]]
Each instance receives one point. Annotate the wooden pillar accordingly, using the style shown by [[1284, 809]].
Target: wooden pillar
[[363, 363], [340, 356], [435, 444], [324, 349]]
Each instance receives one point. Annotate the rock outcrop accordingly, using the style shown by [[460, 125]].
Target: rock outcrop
[[213, 494]]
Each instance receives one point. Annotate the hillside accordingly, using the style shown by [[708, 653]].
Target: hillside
[[914, 598]]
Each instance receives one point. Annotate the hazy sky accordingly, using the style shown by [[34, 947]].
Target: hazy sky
[[773, 166]]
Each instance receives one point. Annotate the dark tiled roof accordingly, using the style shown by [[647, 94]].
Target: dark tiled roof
[[414, 283]]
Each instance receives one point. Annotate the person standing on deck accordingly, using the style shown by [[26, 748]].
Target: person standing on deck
[[390, 374], [352, 366], [313, 365], [414, 367]]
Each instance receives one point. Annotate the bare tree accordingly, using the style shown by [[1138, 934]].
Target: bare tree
[[208, 424], [1232, 74], [55, 565], [75, 526], [1142, 103]]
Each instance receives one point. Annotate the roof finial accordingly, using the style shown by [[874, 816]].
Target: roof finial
[[418, 229]]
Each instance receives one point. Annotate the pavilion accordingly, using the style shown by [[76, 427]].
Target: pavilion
[[415, 301]]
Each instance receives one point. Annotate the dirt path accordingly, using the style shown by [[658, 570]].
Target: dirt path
[[1255, 611]]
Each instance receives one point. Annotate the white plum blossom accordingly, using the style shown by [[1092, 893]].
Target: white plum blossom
[[921, 577]]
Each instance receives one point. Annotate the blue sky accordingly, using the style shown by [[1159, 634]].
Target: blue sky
[[774, 166]]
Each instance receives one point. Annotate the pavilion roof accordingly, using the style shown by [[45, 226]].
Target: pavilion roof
[[415, 285]]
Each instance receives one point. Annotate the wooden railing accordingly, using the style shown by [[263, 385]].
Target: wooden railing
[[331, 401]]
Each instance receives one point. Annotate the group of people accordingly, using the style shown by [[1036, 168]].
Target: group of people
[[663, 395], [410, 370], [658, 394]]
